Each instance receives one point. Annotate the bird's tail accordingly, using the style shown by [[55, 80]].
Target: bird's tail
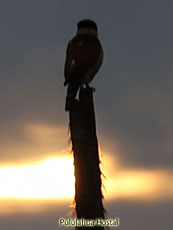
[[71, 101], [72, 90]]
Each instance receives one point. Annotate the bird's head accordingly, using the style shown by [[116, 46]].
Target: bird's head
[[87, 27]]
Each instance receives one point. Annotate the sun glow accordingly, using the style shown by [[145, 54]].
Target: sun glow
[[135, 183], [53, 178]]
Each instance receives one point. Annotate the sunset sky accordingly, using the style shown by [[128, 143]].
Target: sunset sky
[[133, 103]]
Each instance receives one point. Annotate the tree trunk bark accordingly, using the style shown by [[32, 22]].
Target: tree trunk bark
[[88, 194]]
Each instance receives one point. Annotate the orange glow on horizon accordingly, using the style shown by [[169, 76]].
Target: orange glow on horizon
[[135, 184], [54, 179]]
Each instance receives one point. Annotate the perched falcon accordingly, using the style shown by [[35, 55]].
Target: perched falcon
[[84, 57]]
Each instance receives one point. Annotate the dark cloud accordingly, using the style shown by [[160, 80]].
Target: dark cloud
[[47, 218], [142, 215], [138, 121], [132, 216]]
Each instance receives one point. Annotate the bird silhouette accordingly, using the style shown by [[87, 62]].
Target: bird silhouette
[[84, 56]]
